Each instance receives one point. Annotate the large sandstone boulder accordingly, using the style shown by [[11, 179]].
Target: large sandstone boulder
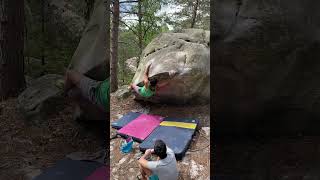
[[182, 61], [41, 98], [266, 65], [90, 57]]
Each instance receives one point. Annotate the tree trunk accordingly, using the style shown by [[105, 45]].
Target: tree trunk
[[194, 14], [89, 8], [26, 43], [108, 32], [42, 32], [12, 80], [114, 54], [140, 27]]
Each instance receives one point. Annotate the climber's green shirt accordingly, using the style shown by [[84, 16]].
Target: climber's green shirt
[[102, 94], [146, 92]]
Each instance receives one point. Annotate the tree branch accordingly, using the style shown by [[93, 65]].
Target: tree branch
[[111, 11], [132, 19], [122, 42], [147, 29], [128, 43], [128, 12], [134, 32], [128, 2]]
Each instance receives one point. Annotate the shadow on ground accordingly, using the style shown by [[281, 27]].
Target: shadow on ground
[[26, 149]]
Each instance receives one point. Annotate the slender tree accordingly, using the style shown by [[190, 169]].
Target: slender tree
[[140, 35], [114, 53], [194, 13], [107, 159], [12, 79], [89, 8], [42, 31], [108, 30], [147, 20]]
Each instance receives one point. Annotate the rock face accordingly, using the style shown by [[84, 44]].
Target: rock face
[[132, 64], [65, 16], [90, 57], [28, 80], [122, 92], [181, 61], [266, 63], [41, 98]]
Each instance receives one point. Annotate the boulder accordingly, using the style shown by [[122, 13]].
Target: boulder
[[122, 93], [41, 98], [28, 80], [90, 57], [181, 61], [266, 68], [132, 64]]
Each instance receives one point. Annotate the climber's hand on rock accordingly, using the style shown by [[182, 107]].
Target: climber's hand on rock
[[172, 73]]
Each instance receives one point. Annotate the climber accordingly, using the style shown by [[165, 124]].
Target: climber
[[150, 86], [164, 168], [96, 92]]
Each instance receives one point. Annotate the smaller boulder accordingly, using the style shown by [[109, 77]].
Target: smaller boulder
[[41, 98], [122, 93], [28, 80], [132, 64]]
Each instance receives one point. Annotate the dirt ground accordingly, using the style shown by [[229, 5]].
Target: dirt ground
[[261, 158], [27, 149], [196, 163]]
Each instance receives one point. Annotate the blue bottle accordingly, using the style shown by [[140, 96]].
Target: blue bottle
[[126, 146]]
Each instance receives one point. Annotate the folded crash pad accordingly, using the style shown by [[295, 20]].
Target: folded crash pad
[[102, 173], [140, 127], [177, 133], [118, 124], [68, 169]]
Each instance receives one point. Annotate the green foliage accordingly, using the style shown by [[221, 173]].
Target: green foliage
[[56, 46], [183, 18], [127, 48], [152, 24]]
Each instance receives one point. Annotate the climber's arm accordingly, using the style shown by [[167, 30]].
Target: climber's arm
[[146, 77], [72, 78], [135, 88]]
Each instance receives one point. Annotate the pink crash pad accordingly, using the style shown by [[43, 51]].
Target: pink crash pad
[[101, 173], [141, 127]]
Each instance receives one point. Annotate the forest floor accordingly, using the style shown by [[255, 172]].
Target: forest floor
[[28, 149], [196, 163], [261, 158]]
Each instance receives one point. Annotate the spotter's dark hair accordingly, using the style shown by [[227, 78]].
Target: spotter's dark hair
[[160, 149]]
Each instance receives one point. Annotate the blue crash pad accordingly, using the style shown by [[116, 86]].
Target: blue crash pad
[[178, 139], [118, 124]]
